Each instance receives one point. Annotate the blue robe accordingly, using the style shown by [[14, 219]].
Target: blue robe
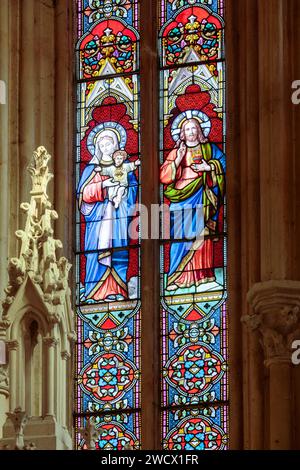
[[96, 269]]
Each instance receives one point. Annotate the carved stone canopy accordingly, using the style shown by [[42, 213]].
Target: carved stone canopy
[[37, 305], [38, 267], [276, 306]]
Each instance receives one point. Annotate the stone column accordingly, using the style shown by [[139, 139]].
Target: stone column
[[27, 119], [274, 299], [4, 384], [50, 345], [277, 211], [66, 402], [12, 347], [276, 307], [36, 92], [150, 325], [243, 199]]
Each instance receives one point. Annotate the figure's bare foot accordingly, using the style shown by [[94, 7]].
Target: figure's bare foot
[[118, 197], [110, 298], [172, 287]]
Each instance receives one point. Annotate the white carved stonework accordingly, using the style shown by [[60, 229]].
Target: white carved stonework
[[19, 420], [91, 434], [4, 380], [38, 259], [37, 311], [276, 315]]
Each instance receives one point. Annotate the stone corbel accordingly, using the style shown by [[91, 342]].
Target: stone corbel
[[276, 307], [12, 345], [65, 355], [50, 341], [4, 325]]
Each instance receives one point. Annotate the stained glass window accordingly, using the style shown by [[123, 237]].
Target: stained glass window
[[107, 379], [192, 149], [193, 243]]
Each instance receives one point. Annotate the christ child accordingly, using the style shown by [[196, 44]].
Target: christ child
[[119, 174]]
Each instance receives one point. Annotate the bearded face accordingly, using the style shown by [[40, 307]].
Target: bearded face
[[191, 133]]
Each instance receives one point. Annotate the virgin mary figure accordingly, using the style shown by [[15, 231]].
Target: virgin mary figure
[[193, 175], [106, 227]]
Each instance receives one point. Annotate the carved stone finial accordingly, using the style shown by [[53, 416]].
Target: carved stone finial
[[91, 434], [30, 446], [39, 171], [19, 419], [276, 316], [65, 355], [38, 258], [37, 297], [128, 446]]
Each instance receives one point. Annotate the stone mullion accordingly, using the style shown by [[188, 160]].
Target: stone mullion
[[150, 332], [234, 214]]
